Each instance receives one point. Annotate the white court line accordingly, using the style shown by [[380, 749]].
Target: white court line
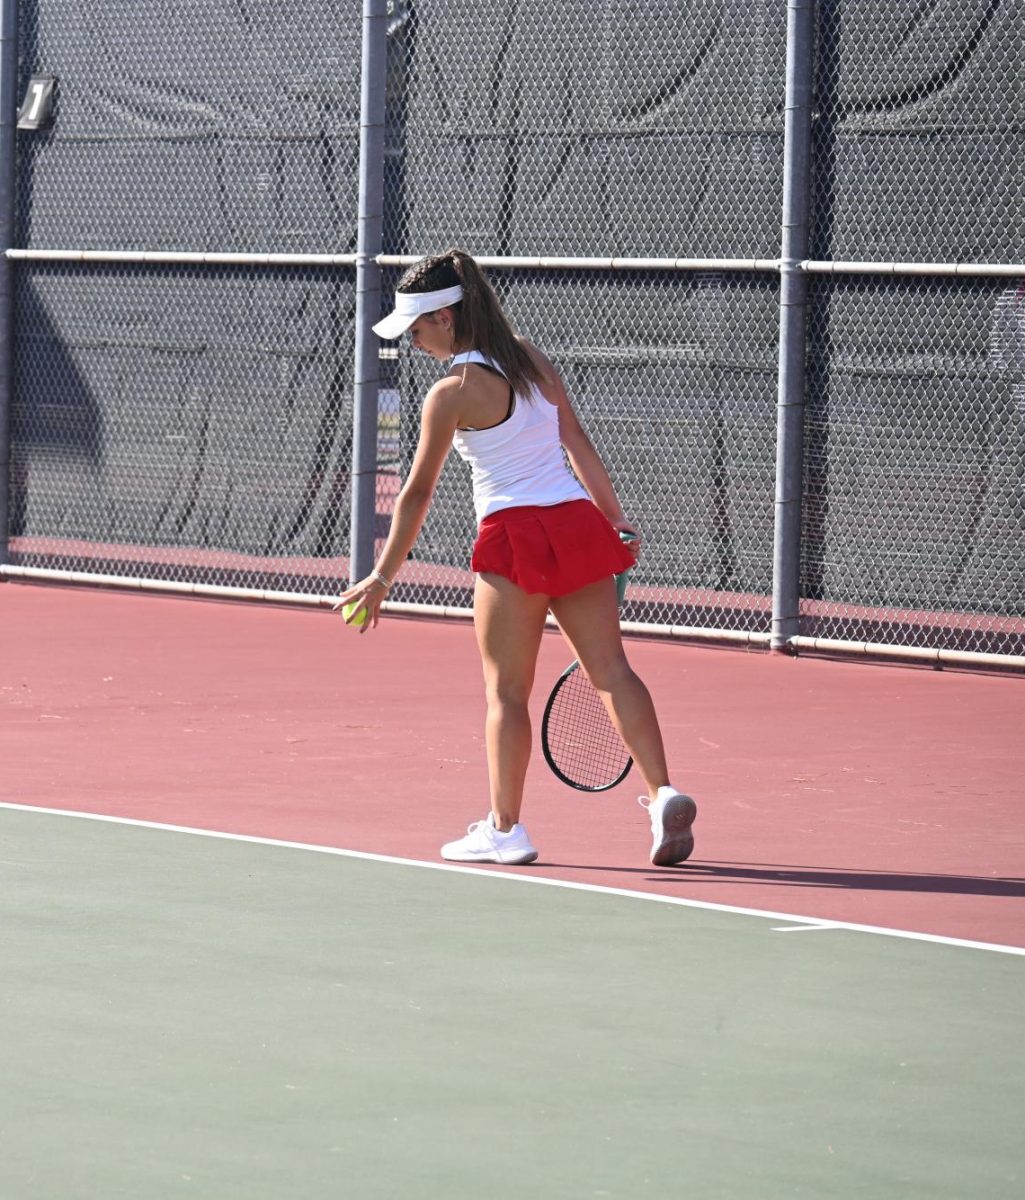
[[520, 877], [806, 928]]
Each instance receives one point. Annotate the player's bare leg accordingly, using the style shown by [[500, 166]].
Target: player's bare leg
[[509, 623], [589, 618]]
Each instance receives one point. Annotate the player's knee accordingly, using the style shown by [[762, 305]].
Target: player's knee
[[511, 695], [610, 675]]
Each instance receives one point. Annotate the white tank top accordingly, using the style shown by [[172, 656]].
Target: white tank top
[[519, 461]]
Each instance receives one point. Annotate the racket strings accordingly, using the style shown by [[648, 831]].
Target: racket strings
[[581, 738]]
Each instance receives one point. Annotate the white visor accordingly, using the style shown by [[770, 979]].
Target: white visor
[[410, 305]]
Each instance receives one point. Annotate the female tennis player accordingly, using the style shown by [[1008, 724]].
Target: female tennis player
[[547, 539]]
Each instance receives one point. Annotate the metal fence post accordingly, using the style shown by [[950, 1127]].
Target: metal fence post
[[786, 558], [368, 286], [8, 124]]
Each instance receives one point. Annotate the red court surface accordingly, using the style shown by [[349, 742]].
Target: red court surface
[[880, 795]]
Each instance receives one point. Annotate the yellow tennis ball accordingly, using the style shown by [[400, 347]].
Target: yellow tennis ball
[[361, 618]]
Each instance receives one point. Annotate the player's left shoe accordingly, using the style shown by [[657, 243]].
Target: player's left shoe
[[486, 844]]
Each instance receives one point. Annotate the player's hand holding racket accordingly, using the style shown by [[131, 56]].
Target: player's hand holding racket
[[579, 741]]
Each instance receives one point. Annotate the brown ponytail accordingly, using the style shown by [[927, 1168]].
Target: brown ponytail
[[480, 321]]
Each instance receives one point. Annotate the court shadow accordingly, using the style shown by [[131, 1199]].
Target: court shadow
[[847, 879]]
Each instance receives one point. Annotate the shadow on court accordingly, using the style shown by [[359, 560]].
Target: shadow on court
[[819, 877]]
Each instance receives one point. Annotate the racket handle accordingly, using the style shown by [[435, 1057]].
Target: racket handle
[[621, 577]]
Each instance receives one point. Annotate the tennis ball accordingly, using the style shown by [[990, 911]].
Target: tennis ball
[[360, 619]]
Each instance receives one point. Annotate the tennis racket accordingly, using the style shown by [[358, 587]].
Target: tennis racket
[[580, 744]]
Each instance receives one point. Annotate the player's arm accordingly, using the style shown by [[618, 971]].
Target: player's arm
[[439, 418], [584, 458]]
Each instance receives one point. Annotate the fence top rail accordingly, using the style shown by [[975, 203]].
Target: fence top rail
[[184, 257], [522, 262], [818, 267], [526, 262], [548, 263]]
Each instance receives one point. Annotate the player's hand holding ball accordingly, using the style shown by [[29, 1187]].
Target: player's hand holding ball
[[359, 604]]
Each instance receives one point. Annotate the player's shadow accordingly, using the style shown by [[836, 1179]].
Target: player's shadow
[[843, 878]]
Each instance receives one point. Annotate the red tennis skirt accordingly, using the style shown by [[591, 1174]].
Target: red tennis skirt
[[554, 549]]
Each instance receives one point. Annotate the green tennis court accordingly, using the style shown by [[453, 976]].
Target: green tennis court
[[189, 1015]]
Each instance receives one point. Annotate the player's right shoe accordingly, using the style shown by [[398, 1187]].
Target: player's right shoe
[[672, 826], [486, 844]]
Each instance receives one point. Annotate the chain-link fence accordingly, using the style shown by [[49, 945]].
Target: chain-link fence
[[914, 504], [196, 125], [915, 464], [917, 147], [187, 422], [191, 420], [184, 422], [594, 129]]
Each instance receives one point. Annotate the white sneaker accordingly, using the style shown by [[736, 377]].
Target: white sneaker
[[672, 819], [486, 844]]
